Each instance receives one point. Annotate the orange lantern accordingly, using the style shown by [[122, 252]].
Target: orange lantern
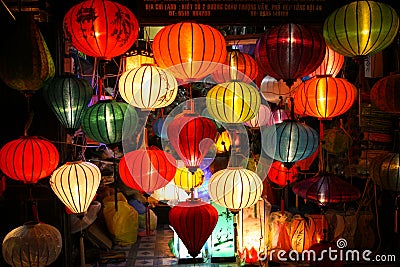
[[331, 65], [282, 176]]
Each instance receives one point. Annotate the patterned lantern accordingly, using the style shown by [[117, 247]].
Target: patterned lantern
[[28, 159], [290, 51], [336, 141], [101, 28], [75, 184], [68, 97], [148, 87], [385, 94], [282, 176], [187, 180], [235, 188], [237, 67], [223, 143], [263, 118], [273, 90], [331, 65], [233, 102], [193, 221], [385, 171], [189, 50], [33, 244], [361, 28]]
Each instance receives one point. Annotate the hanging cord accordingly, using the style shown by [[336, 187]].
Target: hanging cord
[[377, 220], [321, 165]]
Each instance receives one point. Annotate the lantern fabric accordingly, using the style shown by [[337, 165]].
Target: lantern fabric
[[385, 171], [233, 102], [223, 143], [189, 50], [290, 51], [28, 159], [68, 97], [33, 244], [361, 28], [385, 94], [147, 168], [235, 188], [336, 141], [263, 118], [306, 163], [148, 87], [238, 66], [193, 221], [75, 184], [324, 97], [282, 176], [160, 126], [100, 28], [191, 136], [187, 180], [279, 115], [331, 65], [275, 91]]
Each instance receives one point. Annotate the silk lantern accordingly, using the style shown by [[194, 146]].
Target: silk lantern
[[385, 171], [282, 176], [336, 141], [279, 115], [275, 91], [290, 51], [233, 102], [263, 118], [193, 221], [28, 159], [187, 180], [331, 65], [385, 94], [75, 184], [100, 28], [361, 28], [189, 50], [68, 96], [148, 87], [223, 143]]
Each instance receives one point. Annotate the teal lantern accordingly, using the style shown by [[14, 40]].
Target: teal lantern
[[68, 97]]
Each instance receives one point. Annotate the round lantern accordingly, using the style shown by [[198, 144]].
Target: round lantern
[[28, 159], [324, 97], [385, 171], [263, 118], [237, 67], [331, 65], [33, 244], [193, 221], [187, 180], [223, 143], [189, 50], [191, 136], [68, 97], [148, 87], [147, 169], [274, 91], [101, 28], [336, 141], [235, 188], [75, 184], [282, 176], [233, 102], [290, 51], [279, 115], [385, 94], [361, 28]]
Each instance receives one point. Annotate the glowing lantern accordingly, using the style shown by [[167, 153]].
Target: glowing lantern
[[223, 143], [282, 176], [186, 180], [148, 87], [361, 28], [75, 184], [331, 65], [274, 91], [101, 28], [385, 171], [263, 118], [249, 256], [233, 102], [28, 159], [279, 115], [189, 50], [235, 188], [385, 94]]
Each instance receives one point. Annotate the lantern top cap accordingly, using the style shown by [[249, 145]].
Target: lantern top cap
[[73, 162]]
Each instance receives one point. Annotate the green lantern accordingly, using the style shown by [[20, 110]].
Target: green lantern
[[361, 28], [68, 97]]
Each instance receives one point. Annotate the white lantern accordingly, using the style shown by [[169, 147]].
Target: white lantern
[[263, 118], [272, 89]]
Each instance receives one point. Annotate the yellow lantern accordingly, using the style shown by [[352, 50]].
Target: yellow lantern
[[223, 143], [187, 180]]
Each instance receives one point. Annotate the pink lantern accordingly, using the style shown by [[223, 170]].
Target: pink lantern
[[264, 117]]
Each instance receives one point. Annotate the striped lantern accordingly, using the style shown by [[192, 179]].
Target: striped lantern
[[385, 94], [273, 90], [187, 180], [385, 171], [331, 65], [282, 176], [264, 117]]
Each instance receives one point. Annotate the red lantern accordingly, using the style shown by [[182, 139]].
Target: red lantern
[[290, 51], [191, 136], [385, 94], [28, 159], [193, 221], [282, 176], [101, 28]]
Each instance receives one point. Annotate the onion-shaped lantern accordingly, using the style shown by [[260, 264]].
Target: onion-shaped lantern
[[385, 171], [193, 221], [237, 67], [28, 159], [68, 97], [233, 102], [263, 118], [282, 176], [223, 143], [33, 244], [290, 51], [75, 184], [385, 94], [361, 28], [148, 87], [187, 180], [331, 65], [235, 188], [275, 91], [189, 50], [101, 28]]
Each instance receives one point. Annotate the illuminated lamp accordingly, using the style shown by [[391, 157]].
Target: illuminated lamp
[[282, 176], [263, 118], [187, 180], [273, 90], [331, 65], [385, 171], [385, 94], [223, 143]]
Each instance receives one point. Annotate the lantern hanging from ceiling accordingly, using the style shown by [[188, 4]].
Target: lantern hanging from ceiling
[[68, 97], [33, 244], [282, 176], [235, 188], [361, 28], [289, 52], [385, 171], [191, 136], [223, 143], [337, 141], [187, 180], [306, 163], [148, 87], [25, 61], [138, 55], [75, 184], [28, 159], [189, 50], [331, 65], [273, 90], [263, 118], [233, 102], [385, 94], [100, 28], [237, 67], [193, 221]]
